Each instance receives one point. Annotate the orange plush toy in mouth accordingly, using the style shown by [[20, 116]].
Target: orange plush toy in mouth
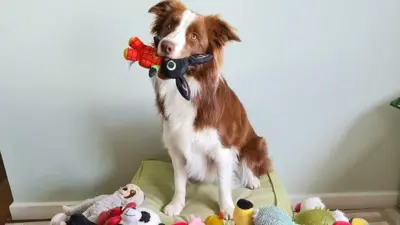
[[145, 55]]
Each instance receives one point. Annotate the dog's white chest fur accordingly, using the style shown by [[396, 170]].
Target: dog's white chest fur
[[198, 148]]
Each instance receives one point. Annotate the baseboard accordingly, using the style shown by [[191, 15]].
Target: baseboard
[[36, 210], [359, 200]]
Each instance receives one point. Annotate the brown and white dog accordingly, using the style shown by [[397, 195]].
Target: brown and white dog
[[210, 137]]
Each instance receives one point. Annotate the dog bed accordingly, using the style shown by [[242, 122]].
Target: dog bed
[[155, 178]]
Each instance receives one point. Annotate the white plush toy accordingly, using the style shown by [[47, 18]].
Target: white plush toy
[[140, 216], [311, 203], [91, 208]]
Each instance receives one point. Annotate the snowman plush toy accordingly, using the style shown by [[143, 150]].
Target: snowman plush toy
[[129, 215], [90, 209]]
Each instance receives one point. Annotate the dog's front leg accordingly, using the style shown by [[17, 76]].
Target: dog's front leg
[[177, 203], [224, 162]]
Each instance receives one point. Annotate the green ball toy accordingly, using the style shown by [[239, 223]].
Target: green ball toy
[[315, 217]]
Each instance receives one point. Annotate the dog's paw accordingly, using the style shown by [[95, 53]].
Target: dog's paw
[[254, 183], [227, 208], [227, 213], [174, 208]]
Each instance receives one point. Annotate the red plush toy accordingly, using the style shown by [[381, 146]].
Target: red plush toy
[[113, 216], [139, 52]]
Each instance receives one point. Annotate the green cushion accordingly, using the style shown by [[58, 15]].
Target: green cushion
[[155, 178]]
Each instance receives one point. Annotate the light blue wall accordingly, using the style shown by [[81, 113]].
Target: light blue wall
[[315, 76]]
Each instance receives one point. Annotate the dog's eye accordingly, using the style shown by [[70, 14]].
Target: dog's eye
[[193, 36], [170, 26]]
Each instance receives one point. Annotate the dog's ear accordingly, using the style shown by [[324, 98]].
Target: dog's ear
[[164, 7], [220, 32], [162, 10]]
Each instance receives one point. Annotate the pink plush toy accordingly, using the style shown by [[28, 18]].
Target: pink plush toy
[[195, 220]]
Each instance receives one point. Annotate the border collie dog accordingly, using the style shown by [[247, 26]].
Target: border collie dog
[[209, 138]]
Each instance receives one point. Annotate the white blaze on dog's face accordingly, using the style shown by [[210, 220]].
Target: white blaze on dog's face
[[183, 32], [173, 44]]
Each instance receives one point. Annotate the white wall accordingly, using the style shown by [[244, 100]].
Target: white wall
[[75, 122]]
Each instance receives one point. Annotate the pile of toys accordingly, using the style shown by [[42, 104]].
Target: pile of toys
[[122, 208]]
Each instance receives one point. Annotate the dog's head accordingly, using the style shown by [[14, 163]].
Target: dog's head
[[183, 32]]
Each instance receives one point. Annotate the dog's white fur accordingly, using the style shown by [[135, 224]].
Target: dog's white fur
[[191, 151]]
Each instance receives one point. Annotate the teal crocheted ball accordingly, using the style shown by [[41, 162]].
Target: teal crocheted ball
[[272, 215]]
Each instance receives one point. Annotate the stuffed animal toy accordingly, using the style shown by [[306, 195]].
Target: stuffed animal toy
[[177, 68], [214, 220], [315, 217], [358, 221], [193, 220], [396, 103], [115, 212], [180, 223], [79, 219], [309, 204], [243, 212], [130, 216], [145, 55], [271, 215], [171, 68], [91, 208], [313, 211]]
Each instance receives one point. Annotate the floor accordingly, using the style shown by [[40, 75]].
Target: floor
[[374, 217]]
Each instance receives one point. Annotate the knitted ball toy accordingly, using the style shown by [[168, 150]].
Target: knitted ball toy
[[272, 215]]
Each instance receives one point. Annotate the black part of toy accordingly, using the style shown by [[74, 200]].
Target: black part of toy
[[183, 87], [174, 68], [198, 59], [79, 219], [152, 71], [156, 41], [177, 68], [145, 217], [244, 204]]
